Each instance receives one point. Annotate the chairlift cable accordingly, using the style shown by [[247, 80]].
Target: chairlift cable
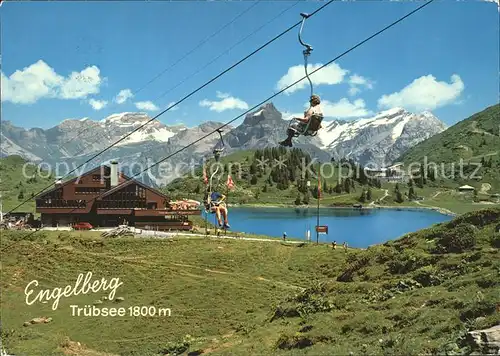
[[274, 95], [178, 102], [165, 70]]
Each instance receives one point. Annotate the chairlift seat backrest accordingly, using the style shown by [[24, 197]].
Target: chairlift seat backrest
[[315, 123]]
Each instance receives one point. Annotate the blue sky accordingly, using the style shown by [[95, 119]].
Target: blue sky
[[443, 59]]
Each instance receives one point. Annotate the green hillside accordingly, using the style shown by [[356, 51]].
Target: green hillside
[[475, 140], [472, 138], [416, 295], [20, 180], [281, 184]]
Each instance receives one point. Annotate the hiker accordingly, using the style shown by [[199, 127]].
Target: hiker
[[284, 236], [334, 245], [345, 246]]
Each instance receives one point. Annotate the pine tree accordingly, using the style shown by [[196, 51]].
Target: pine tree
[[264, 190], [21, 195], [432, 174], [298, 201], [369, 194], [253, 181], [347, 185], [253, 168], [306, 198], [399, 197], [362, 198], [411, 194]]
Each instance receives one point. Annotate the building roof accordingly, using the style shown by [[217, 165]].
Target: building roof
[[466, 187], [68, 181], [122, 177], [128, 182]]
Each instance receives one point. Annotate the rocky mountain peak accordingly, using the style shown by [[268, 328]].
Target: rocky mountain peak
[[378, 139], [266, 112]]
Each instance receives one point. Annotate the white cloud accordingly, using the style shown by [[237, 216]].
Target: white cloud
[[343, 108], [356, 81], [98, 104], [424, 93], [330, 75], [354, 90], [81, 84], [227, 102], [39, 80], [123, 96], [146, 105], [174, 108], [359, 80]]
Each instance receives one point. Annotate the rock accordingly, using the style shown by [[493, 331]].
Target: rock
[[98, 301], [42, 320], [119, 299], [487, 340], [104, 298]]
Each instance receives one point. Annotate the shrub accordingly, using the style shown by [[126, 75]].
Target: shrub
[[408, 261], [477, 218], [428, 276], [288, 342], [457, 240], [495, 241], [477, 309]]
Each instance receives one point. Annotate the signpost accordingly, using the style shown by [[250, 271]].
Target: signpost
[[322, 229]]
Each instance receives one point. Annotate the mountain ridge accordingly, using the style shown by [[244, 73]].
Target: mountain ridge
[[377, 140]]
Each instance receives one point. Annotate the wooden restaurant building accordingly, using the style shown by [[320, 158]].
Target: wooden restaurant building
[[105, 197]]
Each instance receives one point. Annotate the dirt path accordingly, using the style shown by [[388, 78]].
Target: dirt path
[[477, 130], [435, 195], [386, 194]]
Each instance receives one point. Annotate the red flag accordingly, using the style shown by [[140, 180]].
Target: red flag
[[230, 183], [319, 186], [205, 178]]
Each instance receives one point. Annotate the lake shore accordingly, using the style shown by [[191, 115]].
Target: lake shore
[[366, 207]]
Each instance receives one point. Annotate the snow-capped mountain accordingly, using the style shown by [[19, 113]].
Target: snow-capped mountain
[[377, 140], [381, 139]]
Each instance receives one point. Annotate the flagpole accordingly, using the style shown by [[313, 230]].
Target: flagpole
[[319, 197], [227, 201], [205, 180]]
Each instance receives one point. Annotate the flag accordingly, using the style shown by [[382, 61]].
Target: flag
[[319, 186], [229, 183], [205, 178]]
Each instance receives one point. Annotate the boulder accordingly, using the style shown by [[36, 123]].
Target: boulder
[[487, 340]]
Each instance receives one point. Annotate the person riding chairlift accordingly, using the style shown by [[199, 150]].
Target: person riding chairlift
[[314, 109], [217, 206]]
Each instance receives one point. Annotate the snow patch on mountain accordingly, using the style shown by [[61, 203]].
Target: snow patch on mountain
[[160, 135], [394, 119]]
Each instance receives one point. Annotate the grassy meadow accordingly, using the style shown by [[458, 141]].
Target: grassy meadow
[[418, 294]]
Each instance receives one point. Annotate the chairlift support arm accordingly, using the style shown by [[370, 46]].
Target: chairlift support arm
[[308, 48]]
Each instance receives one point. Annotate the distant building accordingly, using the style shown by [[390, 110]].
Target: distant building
[[105, 198], [392, 174], [466, 189]]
